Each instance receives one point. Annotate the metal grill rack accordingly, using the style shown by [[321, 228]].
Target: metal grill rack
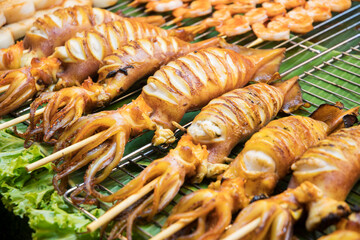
[[327, 62]]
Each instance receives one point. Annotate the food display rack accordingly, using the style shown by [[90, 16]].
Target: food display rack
[[327, 60]]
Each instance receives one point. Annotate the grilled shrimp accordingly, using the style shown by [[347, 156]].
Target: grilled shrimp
[[242, 6], [234, 26], [163, 5], [297, 20], [291, 3], [337, 5], [196, 8], [215, 131], [329, 169], [273, 31], [256, 15], [218, 17], [180, 86], [266, 158], [119, 71], [273, 9], [81, 56], [318, 11]]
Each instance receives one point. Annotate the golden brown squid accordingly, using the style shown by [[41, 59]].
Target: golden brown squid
[[51, 31], [266, 158], [332, 167], [223, 123], [81, 56], [182, 85], [118, 72], [348, 229]]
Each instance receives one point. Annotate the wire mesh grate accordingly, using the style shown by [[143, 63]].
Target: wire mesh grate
[[327, 62]]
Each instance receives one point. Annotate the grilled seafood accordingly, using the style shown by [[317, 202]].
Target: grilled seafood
[[182, 85], [223, 123], [51, 31], [234, 26], [118, 72], [348, 228], [332, 167], [266, 158], [291, 3], [272, 31], [81, 56], [319, 11], [163, 5], [273, 9], [196, 8], [298, 20]]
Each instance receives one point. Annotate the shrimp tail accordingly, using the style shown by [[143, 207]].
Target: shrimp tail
[[335, 116]]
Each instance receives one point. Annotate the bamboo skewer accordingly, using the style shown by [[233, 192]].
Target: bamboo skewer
[[255, 42], [172, 229], [4, 88], [20, 119], [117, 209], [244, 230], [62, 152]]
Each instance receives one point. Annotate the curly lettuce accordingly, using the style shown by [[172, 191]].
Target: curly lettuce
[[32, 194]]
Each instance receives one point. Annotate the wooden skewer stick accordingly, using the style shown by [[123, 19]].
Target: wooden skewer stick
[[4, 88], [62, 152], [117, 209], [172, 229], [20, 119], [175, 20], [256, 42], [244, 230]]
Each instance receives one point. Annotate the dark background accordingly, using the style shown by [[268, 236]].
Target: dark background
[[13, 227]]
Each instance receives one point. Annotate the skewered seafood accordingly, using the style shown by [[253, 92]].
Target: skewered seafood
[[51, 31], [18, 29], [118, 72], [196, 8], [348, 228], [332, 167], [81, 56], [223, 123], [163, 5], [265, 159], [182, 85]]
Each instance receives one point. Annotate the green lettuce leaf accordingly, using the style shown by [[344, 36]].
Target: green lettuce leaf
[[32, 194]]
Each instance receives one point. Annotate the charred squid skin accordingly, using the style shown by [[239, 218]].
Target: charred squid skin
[[322, 169], [225, 70], [126, 65], [55, 29]]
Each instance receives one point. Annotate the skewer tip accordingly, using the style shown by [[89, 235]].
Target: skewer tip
[[256, 42]]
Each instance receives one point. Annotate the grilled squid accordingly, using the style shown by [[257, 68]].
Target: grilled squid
[[348, 228], [51, 31], [236, 115], [267, 157], [119, 71], [332, 166], [182, 85], [81, 56]]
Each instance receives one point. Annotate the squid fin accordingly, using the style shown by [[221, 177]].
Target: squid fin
[[335, 116], [293, 97]]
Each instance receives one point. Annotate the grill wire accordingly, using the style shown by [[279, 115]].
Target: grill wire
[[340, 35]]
